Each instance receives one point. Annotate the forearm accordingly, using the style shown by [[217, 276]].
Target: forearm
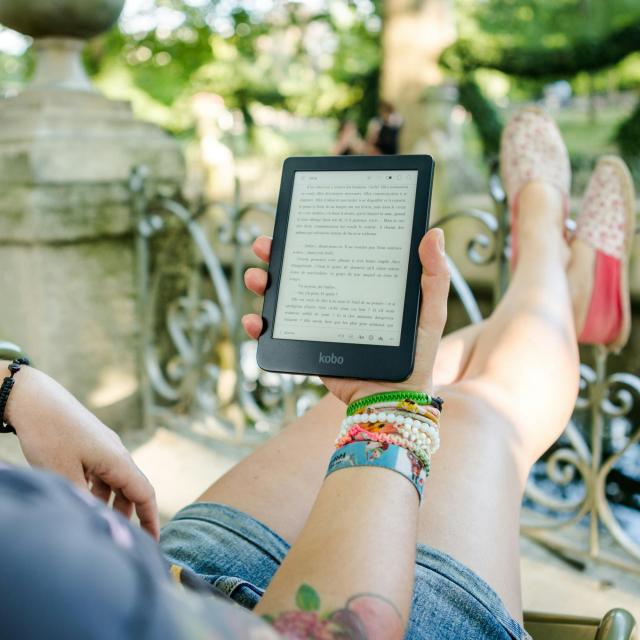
[[356, 552], [56, 432], [37, 408]]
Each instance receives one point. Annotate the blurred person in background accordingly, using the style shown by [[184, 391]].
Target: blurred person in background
[[383, 133], [348, 140]]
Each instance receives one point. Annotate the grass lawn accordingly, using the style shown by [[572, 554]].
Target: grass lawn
[[591, 138]]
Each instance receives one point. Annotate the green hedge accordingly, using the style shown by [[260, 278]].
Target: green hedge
[[464, 57], [628, 140], [485, 116], [583, 55]]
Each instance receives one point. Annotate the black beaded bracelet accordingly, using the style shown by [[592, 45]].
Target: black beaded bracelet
[[5, 390]]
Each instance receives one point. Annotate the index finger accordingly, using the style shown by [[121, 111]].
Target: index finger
[[143, 496], [147, 513], [262, 248], [135, 487]]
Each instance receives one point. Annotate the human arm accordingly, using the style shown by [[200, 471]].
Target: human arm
[[56, 432], [350, 571], [352, 566]]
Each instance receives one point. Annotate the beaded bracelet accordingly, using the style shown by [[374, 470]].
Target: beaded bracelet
[[5, 390], [400, 419], [422, 444], [379, 454], [395, 396], [404, 405], [423, 433]]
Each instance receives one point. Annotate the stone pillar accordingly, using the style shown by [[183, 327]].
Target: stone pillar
[[67, 243]]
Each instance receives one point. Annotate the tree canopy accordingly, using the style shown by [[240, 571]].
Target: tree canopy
[[544, 40], [312, 59]]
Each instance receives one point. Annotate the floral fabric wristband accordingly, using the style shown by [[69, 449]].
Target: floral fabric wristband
[[380, 454]]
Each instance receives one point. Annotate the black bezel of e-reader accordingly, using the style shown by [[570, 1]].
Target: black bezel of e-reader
[[362, 361]]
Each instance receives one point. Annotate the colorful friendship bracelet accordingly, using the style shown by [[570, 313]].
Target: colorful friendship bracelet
[[397, 430], [428, 443], [422, 449], [382, 455], [360, 432], [418, 397], [412, 428]]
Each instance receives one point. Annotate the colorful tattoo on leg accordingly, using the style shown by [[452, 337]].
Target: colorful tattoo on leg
[[365, 616]]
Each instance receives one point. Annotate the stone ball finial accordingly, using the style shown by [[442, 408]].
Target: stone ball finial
[[81, 19]]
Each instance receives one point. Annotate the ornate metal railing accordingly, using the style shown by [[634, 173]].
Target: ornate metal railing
[[199, 373], [197, 369]]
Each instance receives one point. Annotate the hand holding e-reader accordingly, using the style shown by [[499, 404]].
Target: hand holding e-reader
[[343, 289]]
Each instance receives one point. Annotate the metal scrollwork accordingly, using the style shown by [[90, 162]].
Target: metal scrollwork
[[194, 363], [567, 465], [482, 248], [621, 394]]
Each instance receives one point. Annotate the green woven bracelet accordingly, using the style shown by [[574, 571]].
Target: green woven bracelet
[[393, 396]]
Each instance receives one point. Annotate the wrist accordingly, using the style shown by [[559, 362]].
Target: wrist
[[364, 390], [370, 388], [395, 429], [20, 396]]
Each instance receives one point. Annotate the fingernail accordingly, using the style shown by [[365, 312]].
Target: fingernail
[[441, 241]]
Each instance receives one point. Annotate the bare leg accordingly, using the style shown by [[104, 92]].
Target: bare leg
[[517, 395], [508, 407]]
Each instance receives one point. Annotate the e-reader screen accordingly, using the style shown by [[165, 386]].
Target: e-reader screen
[[346, 255]]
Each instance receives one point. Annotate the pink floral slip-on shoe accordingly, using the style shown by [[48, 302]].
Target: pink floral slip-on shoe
[[606, 222], [532, 149]]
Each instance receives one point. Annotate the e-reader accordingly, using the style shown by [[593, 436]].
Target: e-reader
[[343, 290]]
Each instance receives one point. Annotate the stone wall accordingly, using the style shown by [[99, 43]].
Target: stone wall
[[67, 249]]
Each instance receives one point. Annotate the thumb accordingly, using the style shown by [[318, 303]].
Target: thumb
[[435, 291]]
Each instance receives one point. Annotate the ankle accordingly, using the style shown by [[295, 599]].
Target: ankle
[[541, 224], [541, 204]]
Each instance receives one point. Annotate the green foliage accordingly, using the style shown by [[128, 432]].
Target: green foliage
[[485, 115], [543, 23], [628, 139], [13, 71], [321, 63], [592, 43], [585, 54]]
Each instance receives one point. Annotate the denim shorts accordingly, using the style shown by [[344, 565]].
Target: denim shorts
[[239, 555]]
